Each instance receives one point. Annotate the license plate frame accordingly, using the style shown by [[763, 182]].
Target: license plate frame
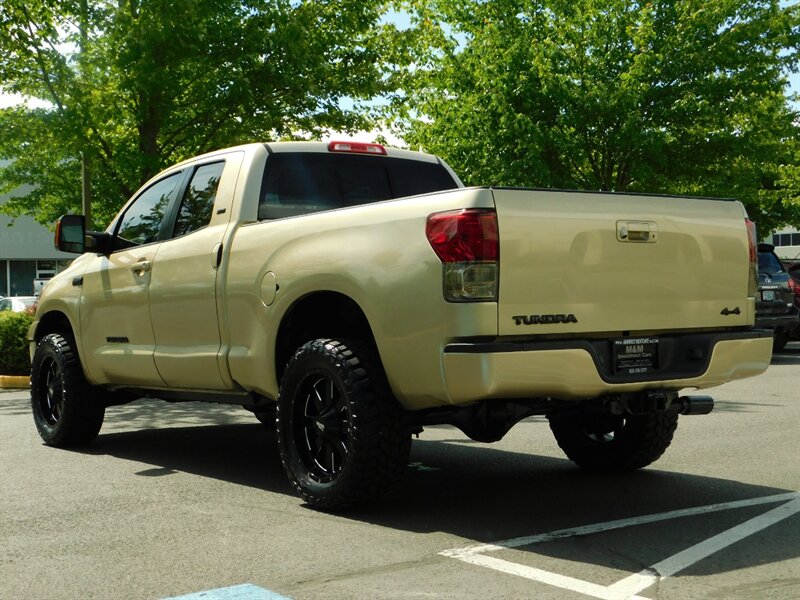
[[635, 356]]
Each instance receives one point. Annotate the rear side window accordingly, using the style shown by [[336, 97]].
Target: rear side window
[[296, 184], [198, 202]]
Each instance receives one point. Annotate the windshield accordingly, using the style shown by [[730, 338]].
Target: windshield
[[768, 264]]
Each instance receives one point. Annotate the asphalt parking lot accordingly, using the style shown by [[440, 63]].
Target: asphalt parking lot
[[177, 499]]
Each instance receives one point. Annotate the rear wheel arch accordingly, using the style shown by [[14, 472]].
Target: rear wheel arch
[[320, 315]]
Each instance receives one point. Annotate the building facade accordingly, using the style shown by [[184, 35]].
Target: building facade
[[27, 254], [787, 244]]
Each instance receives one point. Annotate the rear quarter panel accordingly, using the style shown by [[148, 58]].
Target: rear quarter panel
[[377, 255]]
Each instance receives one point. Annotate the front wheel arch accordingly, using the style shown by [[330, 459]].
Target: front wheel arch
[[54, 322]]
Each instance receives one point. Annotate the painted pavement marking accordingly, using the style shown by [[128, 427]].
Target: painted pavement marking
[[245, 591], [629, 587]]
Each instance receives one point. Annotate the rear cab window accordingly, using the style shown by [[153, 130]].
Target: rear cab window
[[301, 183]]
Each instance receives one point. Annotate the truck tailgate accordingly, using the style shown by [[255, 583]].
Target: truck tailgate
[[574, 262]]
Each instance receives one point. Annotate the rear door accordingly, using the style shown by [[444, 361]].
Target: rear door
[[583, 262], [185, 277]]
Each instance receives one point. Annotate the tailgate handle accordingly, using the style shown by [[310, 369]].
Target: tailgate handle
[[637, 231]]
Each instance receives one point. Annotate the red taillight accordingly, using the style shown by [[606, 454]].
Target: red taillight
[[467, 243], [751, 239], [357, 147], [752, 287], [468, 235]]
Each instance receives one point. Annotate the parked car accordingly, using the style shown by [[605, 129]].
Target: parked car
[[17, 303], [775, 301], [355, 292], [794, 286]]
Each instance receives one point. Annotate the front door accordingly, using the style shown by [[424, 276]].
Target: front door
[[116, 333]]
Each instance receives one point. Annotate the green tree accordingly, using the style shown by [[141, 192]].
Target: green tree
[[14, 357], [672, 96], [136, 85]]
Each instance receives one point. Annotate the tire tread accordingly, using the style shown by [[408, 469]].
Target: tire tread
[[644, 439], [381, 439], [82, 412]]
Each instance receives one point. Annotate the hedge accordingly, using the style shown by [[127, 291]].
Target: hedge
[[14, 358]]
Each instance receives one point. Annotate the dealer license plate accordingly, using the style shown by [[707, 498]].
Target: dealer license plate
[[635, 356]]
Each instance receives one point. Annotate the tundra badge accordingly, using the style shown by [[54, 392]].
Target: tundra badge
[[544, 319]]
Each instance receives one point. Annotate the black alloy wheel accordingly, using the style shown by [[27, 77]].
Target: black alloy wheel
[[322, 424], [67, 410], [343, 439], [51, 400]]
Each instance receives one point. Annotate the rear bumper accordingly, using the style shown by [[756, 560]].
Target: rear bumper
[[579, 369]]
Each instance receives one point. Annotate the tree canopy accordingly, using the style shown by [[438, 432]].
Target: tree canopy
[[672, 96], [667, 96], [136, 85]]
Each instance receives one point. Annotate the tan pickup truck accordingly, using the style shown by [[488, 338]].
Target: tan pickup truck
[[355, 294]]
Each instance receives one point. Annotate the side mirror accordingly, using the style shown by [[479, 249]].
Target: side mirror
[[71, 233]]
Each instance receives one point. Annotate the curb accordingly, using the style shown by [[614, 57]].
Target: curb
[[10, 382]]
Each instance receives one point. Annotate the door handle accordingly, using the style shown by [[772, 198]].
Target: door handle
[[141, 267], [216, 256]]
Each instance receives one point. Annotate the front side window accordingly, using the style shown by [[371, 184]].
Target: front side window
[[142, 221], [198, 202]]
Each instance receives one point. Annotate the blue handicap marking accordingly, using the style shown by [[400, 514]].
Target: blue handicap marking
[[245, 591]]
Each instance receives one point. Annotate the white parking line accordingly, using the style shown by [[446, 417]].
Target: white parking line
[[629, 587], [244, 591]]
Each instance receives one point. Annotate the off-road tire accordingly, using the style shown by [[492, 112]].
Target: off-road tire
[[605, 442], [341, 434], [266, 416], [66, 409]]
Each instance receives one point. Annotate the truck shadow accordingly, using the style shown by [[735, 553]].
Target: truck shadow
[[487, 495], [478, 493], [785, 359], [789, 355]]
